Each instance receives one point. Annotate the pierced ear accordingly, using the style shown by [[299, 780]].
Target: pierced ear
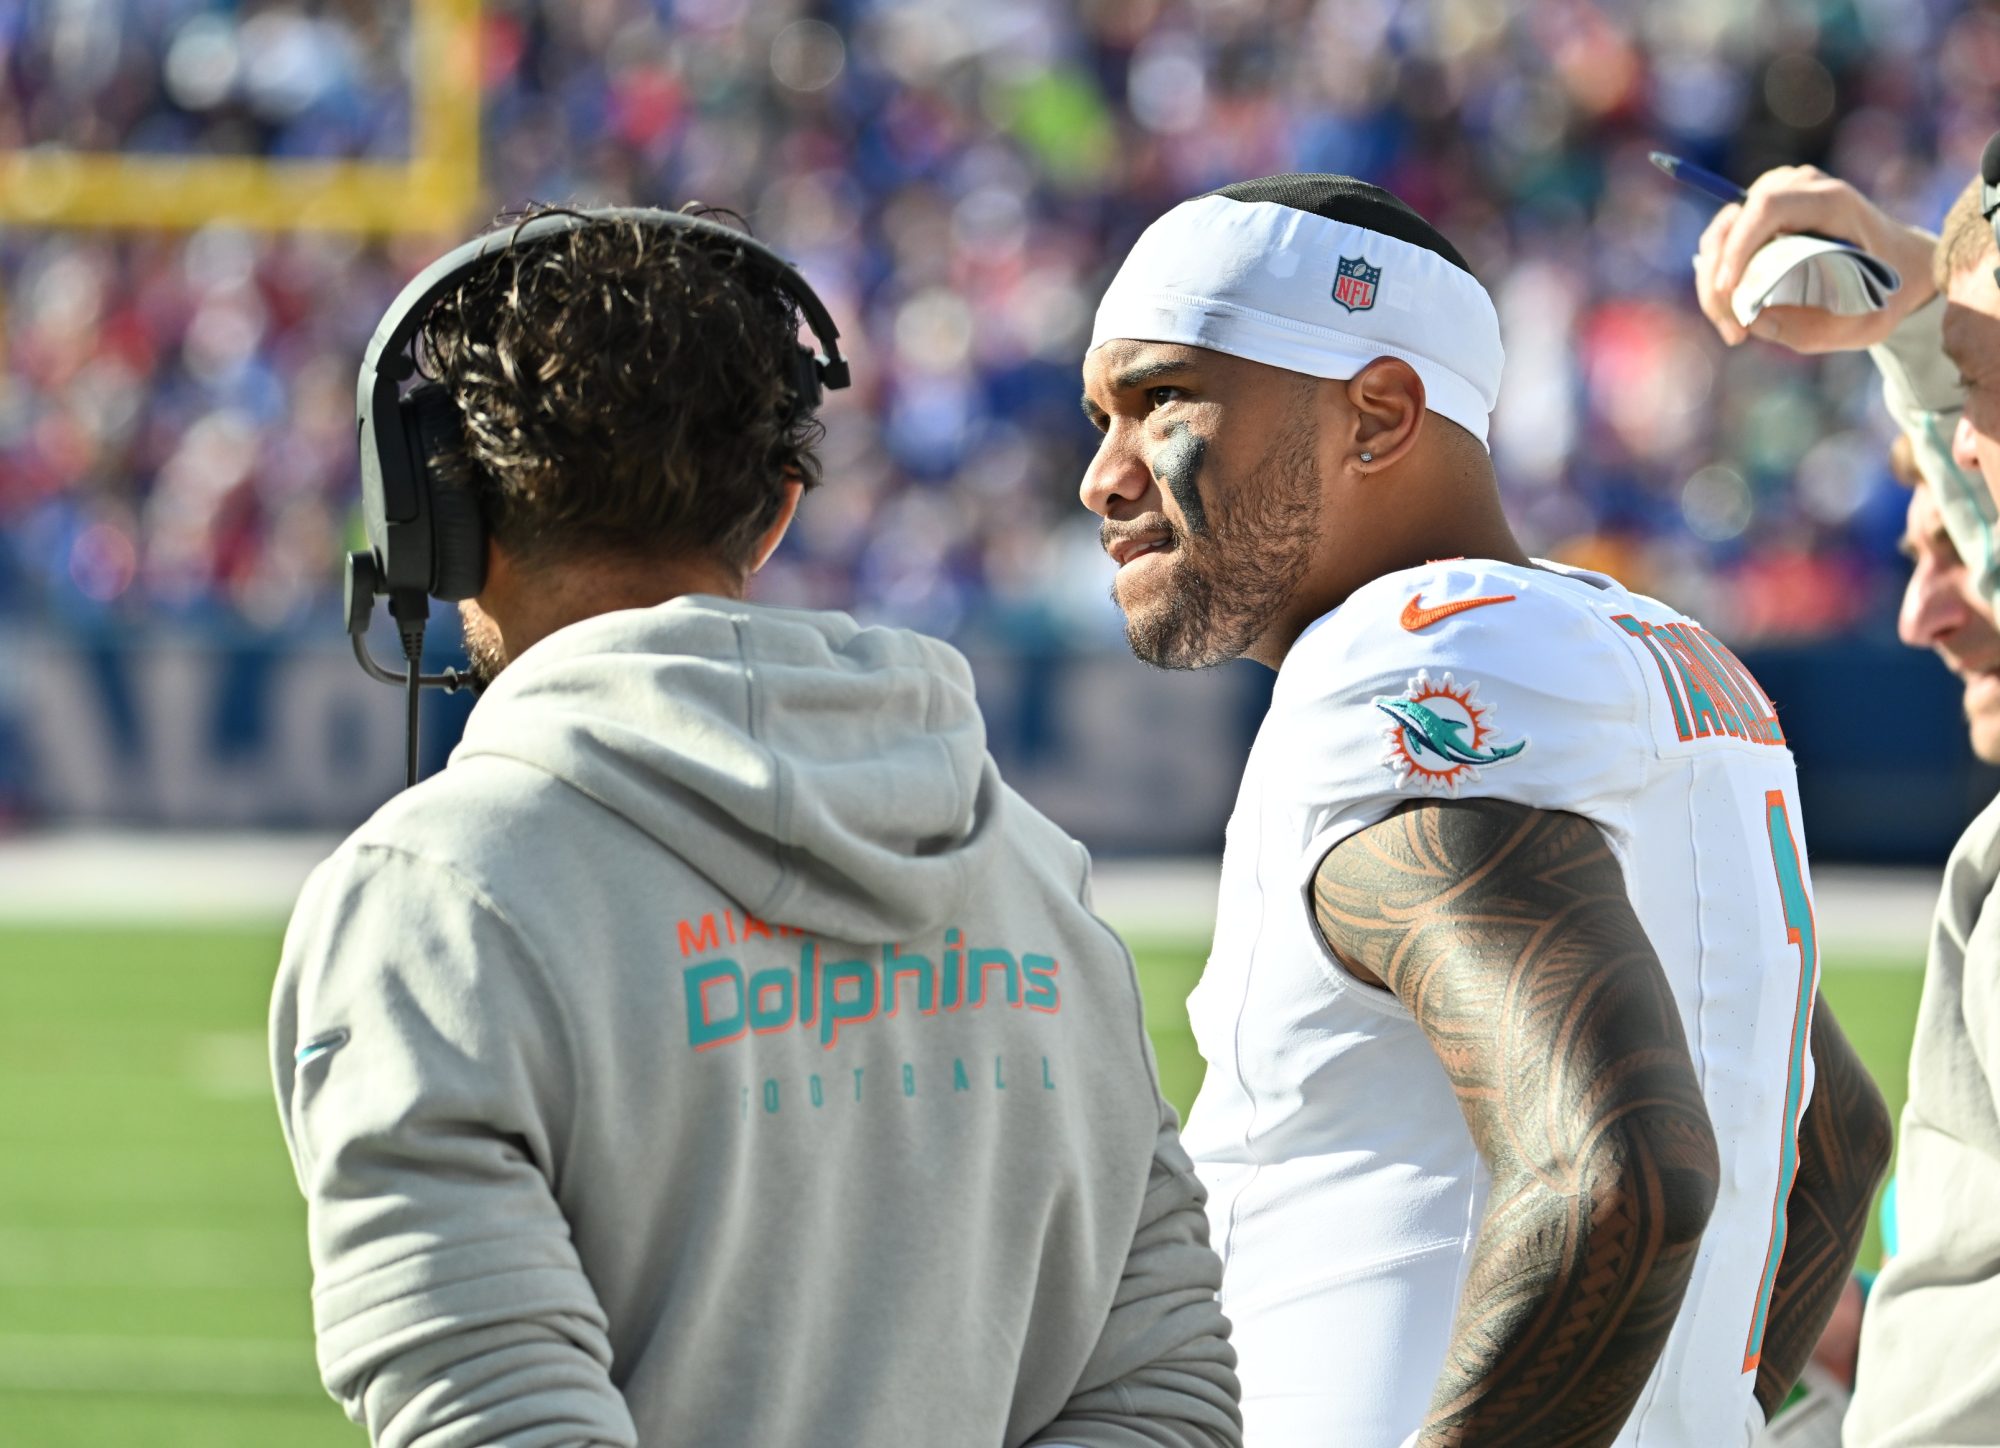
[[1387, 398]]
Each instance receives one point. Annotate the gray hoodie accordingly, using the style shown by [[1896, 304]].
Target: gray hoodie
[[718, 1052], [1929, 1371]]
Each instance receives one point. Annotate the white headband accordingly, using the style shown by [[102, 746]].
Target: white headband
[[1295, 290]]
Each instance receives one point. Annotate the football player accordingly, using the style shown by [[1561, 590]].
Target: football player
[[1510, 1125]]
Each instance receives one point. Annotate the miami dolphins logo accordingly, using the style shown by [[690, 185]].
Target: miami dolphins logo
[[1441, 737]]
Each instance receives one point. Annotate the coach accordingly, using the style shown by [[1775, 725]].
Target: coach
[[1929, 1369], [717, 1051]]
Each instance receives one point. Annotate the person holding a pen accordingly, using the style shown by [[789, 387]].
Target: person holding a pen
[[1929, 1367]]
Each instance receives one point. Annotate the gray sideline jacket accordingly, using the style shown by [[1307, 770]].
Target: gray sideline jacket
[[1929, 1372], [718, 1052]]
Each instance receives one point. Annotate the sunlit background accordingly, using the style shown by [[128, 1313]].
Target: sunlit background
[[205, 205], [177, 466]]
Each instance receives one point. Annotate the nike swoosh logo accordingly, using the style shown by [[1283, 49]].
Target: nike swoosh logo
[[1416, 617]]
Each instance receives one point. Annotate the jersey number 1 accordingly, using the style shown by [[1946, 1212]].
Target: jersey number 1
[[1798, 931]]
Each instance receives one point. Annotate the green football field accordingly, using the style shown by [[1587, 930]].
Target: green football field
[[153, 1281]]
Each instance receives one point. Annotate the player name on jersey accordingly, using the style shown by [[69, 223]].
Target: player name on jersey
[[1710, 691], [1324, 1102]]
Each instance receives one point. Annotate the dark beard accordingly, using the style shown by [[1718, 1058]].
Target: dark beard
[[1228, 584]]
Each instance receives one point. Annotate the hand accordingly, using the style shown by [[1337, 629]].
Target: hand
[[1804, 198]]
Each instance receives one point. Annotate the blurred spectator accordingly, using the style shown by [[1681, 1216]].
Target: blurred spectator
[[955, 175]]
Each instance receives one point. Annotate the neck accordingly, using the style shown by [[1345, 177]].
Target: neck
[[1441, 517], [525, 605]]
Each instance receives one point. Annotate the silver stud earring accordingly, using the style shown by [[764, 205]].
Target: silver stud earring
[[1368, 457]]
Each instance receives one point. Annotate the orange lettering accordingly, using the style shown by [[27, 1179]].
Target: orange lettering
[[705, 939]]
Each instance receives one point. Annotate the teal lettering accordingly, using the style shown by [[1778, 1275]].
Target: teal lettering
[[999, 1084], [771, 1097], [985, 960], [764, 1016], [808, 958], [1643, 633], [1717, 687], [954, 971], [857, 1083], [896, 965], [909, 1079], [1694, 680], [816, 1091], [1047, 1084], [1800, 930], [1769, 731], [1745, 714], [1040, 971], [959, 1080], [712, 1022], [860, 1006]]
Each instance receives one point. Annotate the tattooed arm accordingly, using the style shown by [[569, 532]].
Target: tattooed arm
[[1508, 934], [1843, 1152]]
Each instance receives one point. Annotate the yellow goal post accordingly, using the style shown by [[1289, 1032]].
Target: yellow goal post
[[433, 191]]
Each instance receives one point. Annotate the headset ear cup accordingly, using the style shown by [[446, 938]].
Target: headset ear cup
[[458, 533], [805, 384]]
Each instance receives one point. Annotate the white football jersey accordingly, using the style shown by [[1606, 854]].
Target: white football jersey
[[1345, 1194]]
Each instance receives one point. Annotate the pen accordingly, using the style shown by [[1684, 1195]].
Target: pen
[[1720, 188], [1705, 181]]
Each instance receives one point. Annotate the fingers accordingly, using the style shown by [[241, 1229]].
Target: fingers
[[1788, 199], [1781, 202], [1771, 201], [1811, 330], [1714, 299], [1774, 326]]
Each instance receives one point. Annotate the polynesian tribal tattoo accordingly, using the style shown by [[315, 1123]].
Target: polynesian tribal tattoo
[[1179, 470], [1844, 1142], [1508, 934]]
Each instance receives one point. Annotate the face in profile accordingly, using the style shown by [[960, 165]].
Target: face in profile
[[1972, 342], [1207, 479], [1943, 611]]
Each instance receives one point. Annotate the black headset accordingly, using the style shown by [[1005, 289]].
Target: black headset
[[426, 538]]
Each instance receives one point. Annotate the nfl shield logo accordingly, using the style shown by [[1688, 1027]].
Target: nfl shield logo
[[1354, 284]]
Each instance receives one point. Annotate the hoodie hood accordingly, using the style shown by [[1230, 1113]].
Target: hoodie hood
[[827, 776]]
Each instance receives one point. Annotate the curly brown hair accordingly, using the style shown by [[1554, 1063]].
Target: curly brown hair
[[1966, 241], [624, 388]]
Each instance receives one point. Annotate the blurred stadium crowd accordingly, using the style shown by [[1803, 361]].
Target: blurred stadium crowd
[[954, 175]]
